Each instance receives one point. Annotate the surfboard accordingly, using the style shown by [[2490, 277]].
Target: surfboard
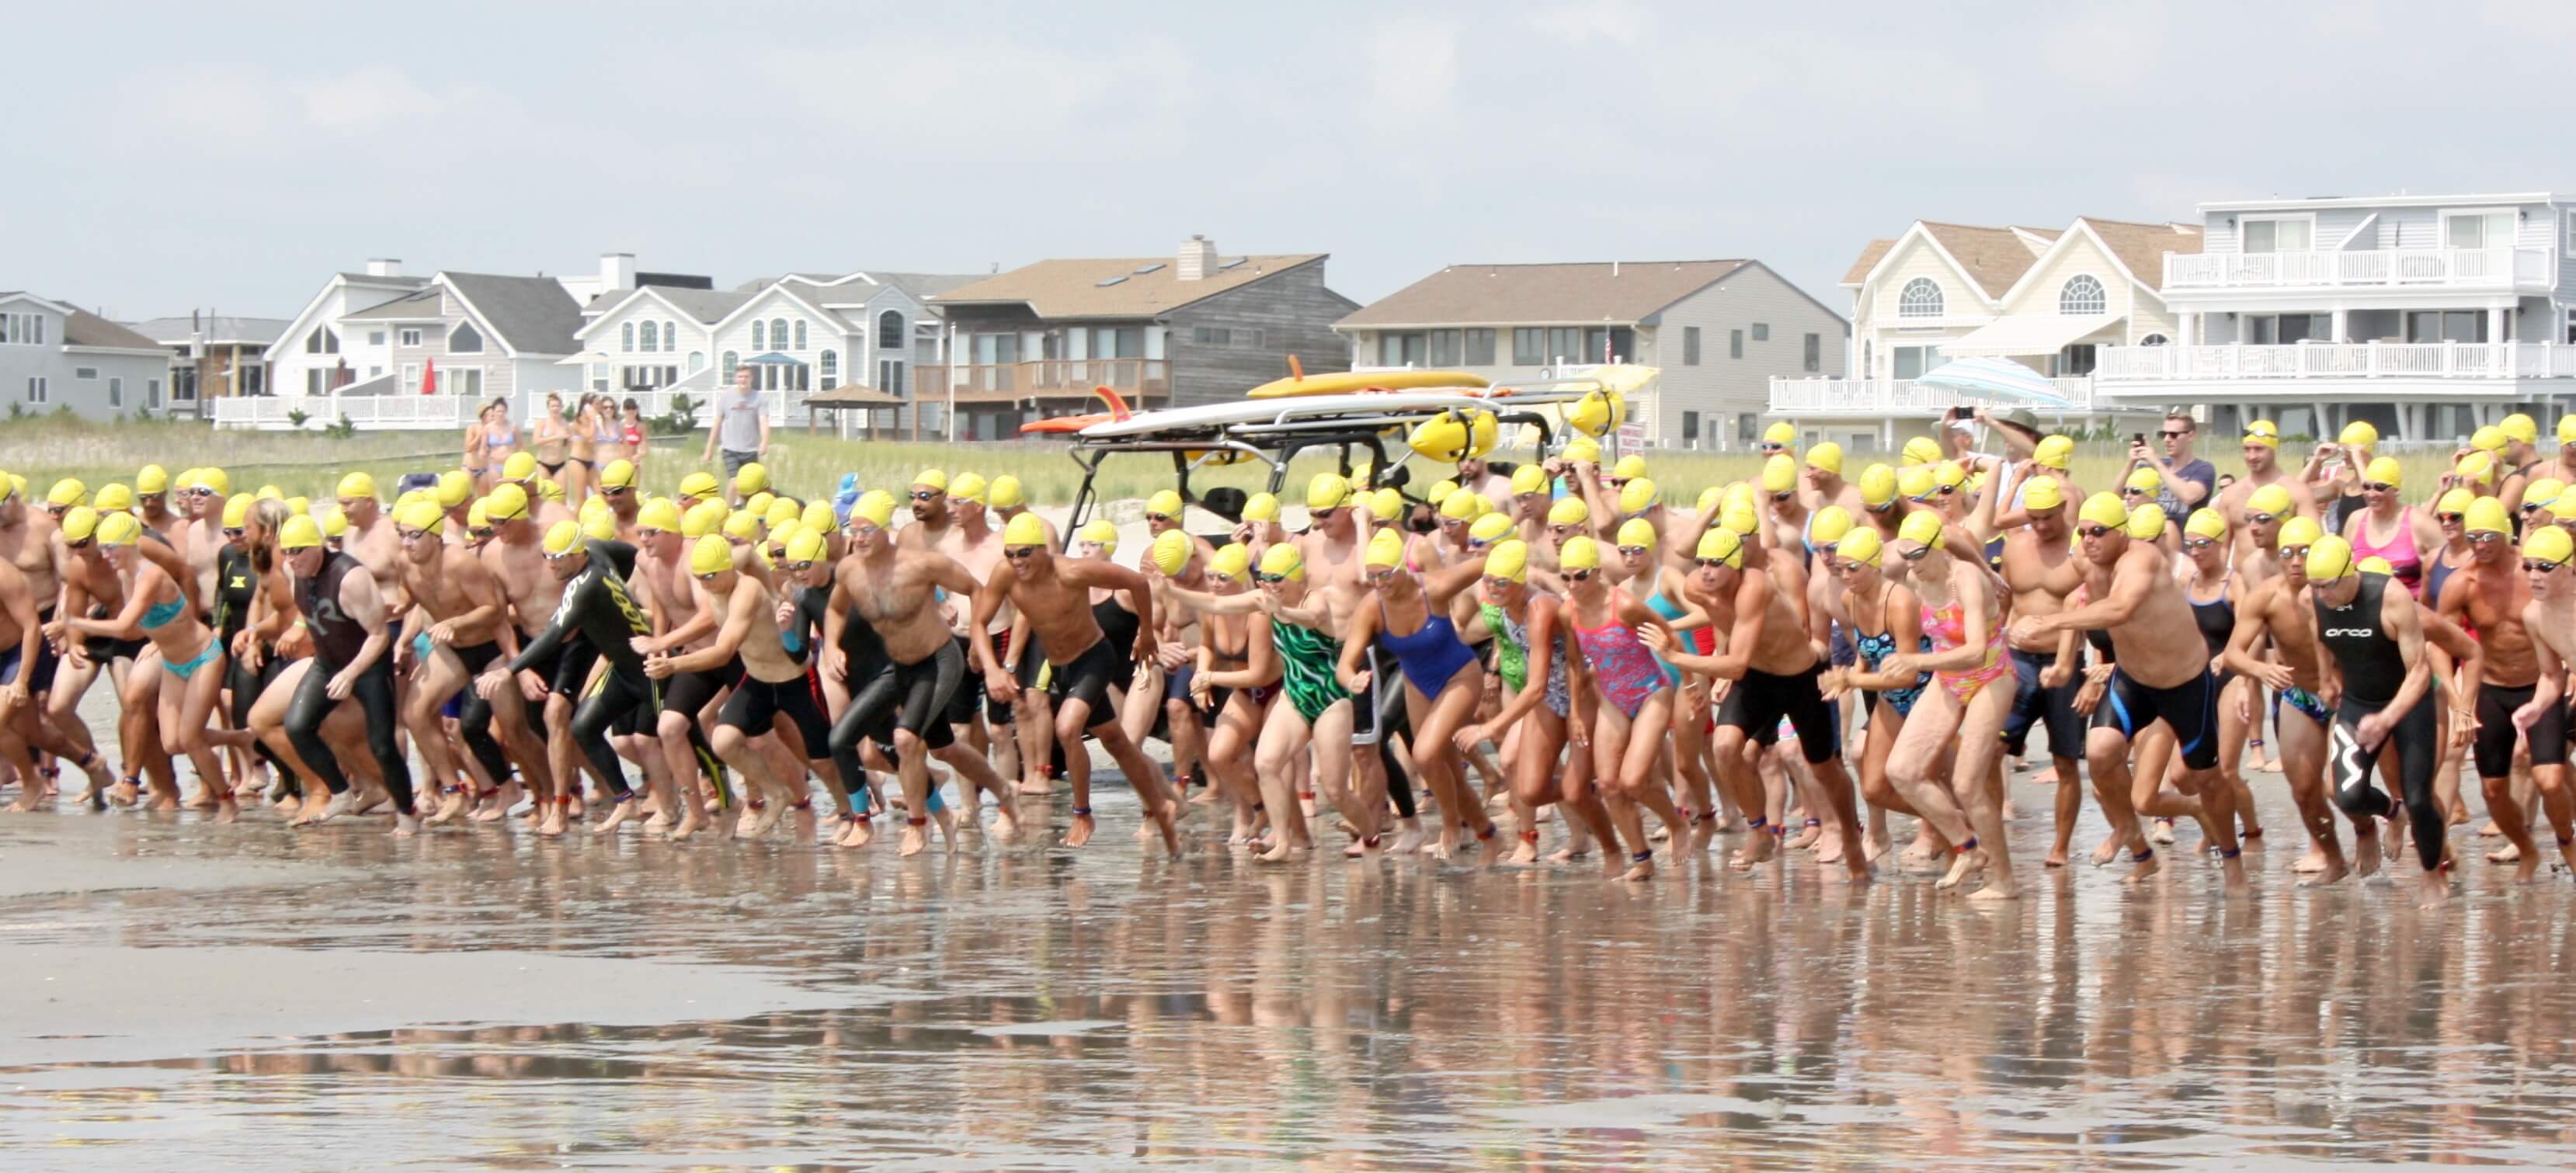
[[1349, 382], [1210, 416], [1061, 424]]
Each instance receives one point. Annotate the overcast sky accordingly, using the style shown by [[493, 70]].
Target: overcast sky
[[233, 156]]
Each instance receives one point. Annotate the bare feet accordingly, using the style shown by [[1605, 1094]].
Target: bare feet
[[916, 837], [1966, 860], [2489, 831], [1035, 787], [2161, 833], [2311, 863], [2108, 851], [1757, 851], [406, 826], [552, 823], [1083, 826], [1525, 851], [2435, 891], [1806, 836], [2365, 851], [1641, 867], [618, 812], [2144, 864], [2505, 854], [1168, 821], [2329, 869], [857, 834], [1409, 840], [1998, 890], [226, 809]]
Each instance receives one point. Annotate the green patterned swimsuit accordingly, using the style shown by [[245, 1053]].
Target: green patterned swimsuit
[[1306, 660]]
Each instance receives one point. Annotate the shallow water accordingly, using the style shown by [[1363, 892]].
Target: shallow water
[[257, 997]]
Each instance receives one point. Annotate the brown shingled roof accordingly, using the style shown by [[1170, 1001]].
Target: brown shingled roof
[[1627, 291], [2141, 247], [1870, 256], [1995, 257], [1075, 289]]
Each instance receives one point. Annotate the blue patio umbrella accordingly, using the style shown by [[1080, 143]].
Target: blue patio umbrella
[[1995, 378], [775, 359]]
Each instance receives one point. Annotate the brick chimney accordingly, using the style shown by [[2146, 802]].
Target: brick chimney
[[384, 266], [616, 271], [1198, 259]]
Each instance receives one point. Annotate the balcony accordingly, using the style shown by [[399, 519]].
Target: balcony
[[2463, 269], [2352, 360], [1819, 397], [1135, 378]]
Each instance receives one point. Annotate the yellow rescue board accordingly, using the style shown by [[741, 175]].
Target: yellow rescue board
[[1347, 382]]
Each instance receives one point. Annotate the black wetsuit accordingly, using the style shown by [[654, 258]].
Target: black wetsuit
[[337, 641], [2373, 670], [598, 607], [236, 586]]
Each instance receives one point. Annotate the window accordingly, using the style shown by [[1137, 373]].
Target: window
[[115, 392], [1911, 361], [1921, 298], [1402, 350], [670, 337], [2076, 360], [2477, 229], [1735, 344], [1212, 336], [410, 337], [697, 361], [800, 333], [2081, 295], [375, 337], [1690, 429], [1480, 348], [759, 334], [1761, 331], [321, 341], [1444, 348], [1564, 344], [2571, 326], [890, 376], [2278, 235], [889, 332], [22, 329], [37, 392], [1690, 346], [463, 382], [464, 339], [1529, 346], [731, 360], [778, 333], [831, 374], [151, 393], [319, 381], [85, 374], [1256, 339], [1815, 358], [407, 380], [2153, 340], [649, 338]]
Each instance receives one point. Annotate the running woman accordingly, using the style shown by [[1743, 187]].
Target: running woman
[[1530, 657], [1884, 621], [352, 644], [1442, 677], [1635, 698]]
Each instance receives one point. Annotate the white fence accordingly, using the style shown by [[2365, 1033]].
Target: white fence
[[2471, 267], [1886, 397], [377, 413], [2347, 360]]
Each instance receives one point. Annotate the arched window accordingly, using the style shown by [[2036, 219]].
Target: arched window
[[732, 360], [670, 337], [831, 369], [2081, 295], [626, 338], [2153, 340], [890, 330], [1921, 298], [778, 333], [759, 334], [465, 339], [652, 336], [800, 333], [697, 359]]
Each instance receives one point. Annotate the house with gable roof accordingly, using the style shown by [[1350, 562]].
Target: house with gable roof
[[55, 355]]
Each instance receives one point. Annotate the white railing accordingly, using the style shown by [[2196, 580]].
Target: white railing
[[1825, 396], [2470, 267], [382, 413], [2347, 360]]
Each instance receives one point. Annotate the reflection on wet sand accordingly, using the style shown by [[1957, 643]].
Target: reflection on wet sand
[[1040, 1009]]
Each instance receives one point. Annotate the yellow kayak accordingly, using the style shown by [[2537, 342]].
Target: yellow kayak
[[1347, 382]]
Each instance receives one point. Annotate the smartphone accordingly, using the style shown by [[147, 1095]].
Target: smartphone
[[2138, 438]]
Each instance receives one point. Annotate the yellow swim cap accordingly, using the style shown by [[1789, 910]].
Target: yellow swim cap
[[2271, 499], [2520, 426], [2298, 532], [2454, 501], [758, 503], [2385, 471], [1580, 553], [875, 507], [1386, 504], [752, 477], [269, 493], [1739, 516], [67, 492], [454, 487], [2044, 494], [2538, 493], [299, 533], [1829, 526], [237, 510], [1326, 491], [1099, 531], [600, 526], [2488, 439], [519, 466], [1629, 466], [117, 529], [1582, 450], [2486, 516], [2205, 523], [1258, 507], [1921, 526], [424, 516], [1024, 530], [620, 474], [1827, 456], [335, 522], [709, 555], [1230, 560], [1508, 562], [551, 491], [1915, 481], [1282, 560], [2145, 480], [1636, 532], [356, 485], [1861, 545], [2330, 558], [1781, 432], [152, 479], [1877, 486], [967, 487], [1460, 505], [1919, 450], [1638, 496], [1385, 548], [1440, 491], [1006, 493], [701, 485], [506, 503], [1720, 544], [817, 516], [213, 480], [2263, 432], [1569, 511], [476, 515], [781, 511], [742, 524], [807, 546], [299, 504], [2104, 509], [660, 515], [701, 519], [2478, 467], [79, 523], [114, 498], [1949, 473], [2548, 543], [2053, 451], [2358, 434], [1172, 549], [1165, 503], [2147, 522], [1489, 527], [1779, 473], [2567, 429], [1527, 479]]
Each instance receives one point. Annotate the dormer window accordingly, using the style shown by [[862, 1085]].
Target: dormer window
[[464, 339], [2082, 295], [322, 341], [1921, 298]]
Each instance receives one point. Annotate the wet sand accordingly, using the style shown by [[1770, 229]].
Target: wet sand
[[259, 997]]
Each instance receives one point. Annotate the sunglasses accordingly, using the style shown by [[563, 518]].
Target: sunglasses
[[1766, 446], [1578, 576], [2536, 566], [1615, 482], [927, 494], [2133, 491], [2482, 537], [2534, 506], [2259, 518], [1712, 563], [2379, 486], [1020, 553], [2171, 435], [1477, 543], [1220, 576], [1263, 576], [2198, 543], [1158, 517], [1880, 508], [559, 557], [800, 567], [58, 510], [2094, 531]]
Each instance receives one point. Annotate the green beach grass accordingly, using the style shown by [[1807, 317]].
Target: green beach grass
[[46, 449]]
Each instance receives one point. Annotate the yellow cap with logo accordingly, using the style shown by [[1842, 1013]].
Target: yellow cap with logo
[[1950, 474], [1508, 562], [1230, 560], [1861, 545], [1915, 481], [2520, 426], [507, 502], [1922, 526], [1282, 560], [1385, 548], [2270, 499], [1461, 505], [79, 523], [1172, 549], [1527, 479], [2299, 532], [2330, 558], [2263, 432], [1827, 457], [424, 516], [659, 515], [701, 484], [620, 474], [1639, 495], [1165, 503], [67, 492], [1024, 530], [1258, 507], [1326, 491], [808, 545]]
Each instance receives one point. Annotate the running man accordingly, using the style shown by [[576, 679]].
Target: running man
[[2379, 682], [352, 641], [597, 606]]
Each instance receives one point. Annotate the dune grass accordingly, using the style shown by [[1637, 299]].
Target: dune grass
[[47, 448]]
